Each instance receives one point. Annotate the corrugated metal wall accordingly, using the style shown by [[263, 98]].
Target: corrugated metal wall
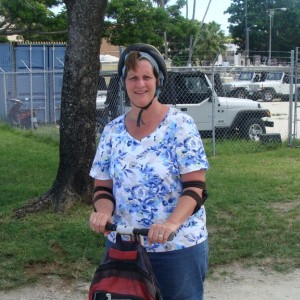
[[33, 72], [5, 57]]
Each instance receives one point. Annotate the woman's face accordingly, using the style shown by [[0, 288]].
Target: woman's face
[[141, 83]]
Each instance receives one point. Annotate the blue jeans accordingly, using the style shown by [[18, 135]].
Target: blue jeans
[[180, 273]]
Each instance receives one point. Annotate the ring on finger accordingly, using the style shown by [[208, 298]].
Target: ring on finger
[[160, 236]]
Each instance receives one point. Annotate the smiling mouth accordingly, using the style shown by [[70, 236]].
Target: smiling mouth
[[141, 92]]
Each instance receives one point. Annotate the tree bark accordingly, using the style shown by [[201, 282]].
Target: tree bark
[[78, 109]]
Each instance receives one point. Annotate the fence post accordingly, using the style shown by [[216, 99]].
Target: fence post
[[214, 96], [290, 116], [4, 91], [213, 111], [295, 133]]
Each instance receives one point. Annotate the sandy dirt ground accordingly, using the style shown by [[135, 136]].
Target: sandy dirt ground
[[226, 283], [237, 283]]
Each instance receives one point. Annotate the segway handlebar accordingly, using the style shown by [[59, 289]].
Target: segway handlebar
[[130, 230]]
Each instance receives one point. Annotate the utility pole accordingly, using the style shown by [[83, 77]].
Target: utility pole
[[271, 15], [247, 34]]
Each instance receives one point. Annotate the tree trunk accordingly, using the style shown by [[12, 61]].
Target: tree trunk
[[78, 109]]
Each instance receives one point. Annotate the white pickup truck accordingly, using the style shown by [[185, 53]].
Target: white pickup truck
[[191, 92], [239, 88], [276, 85]]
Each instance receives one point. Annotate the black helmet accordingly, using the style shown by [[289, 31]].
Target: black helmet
[[154, 53]]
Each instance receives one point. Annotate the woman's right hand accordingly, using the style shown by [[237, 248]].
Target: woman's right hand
[[98, 221]]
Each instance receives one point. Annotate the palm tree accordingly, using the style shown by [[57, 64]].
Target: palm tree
[[210, 42], [187, 10]]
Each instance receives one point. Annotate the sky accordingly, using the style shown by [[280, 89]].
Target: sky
[[215, 12]]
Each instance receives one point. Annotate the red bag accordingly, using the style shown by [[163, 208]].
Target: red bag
[[125, 273]]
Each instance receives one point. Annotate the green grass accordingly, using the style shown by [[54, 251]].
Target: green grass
[[253, 209]]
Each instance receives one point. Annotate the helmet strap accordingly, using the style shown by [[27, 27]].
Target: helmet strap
[[140, 119]]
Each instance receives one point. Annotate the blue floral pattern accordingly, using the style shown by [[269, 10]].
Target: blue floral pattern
[[146, 175]]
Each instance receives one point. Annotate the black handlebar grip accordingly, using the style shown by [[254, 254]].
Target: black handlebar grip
[[171, 236], [144, 232], [111, 227]]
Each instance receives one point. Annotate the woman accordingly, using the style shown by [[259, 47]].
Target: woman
[[149, 171]]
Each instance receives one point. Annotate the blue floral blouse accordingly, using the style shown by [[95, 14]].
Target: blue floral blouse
[[146, 175]]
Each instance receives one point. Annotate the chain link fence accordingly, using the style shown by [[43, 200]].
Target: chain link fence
[[36, 92], [239, 108]]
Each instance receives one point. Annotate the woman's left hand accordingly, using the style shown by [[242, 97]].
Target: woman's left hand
[[159, 233]]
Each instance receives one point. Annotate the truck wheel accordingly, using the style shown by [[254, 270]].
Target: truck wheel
[[241, 94], [268, 95], [252, 129]]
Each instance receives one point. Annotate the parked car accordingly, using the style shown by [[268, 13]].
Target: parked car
[[239, 87], [276, 85]]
